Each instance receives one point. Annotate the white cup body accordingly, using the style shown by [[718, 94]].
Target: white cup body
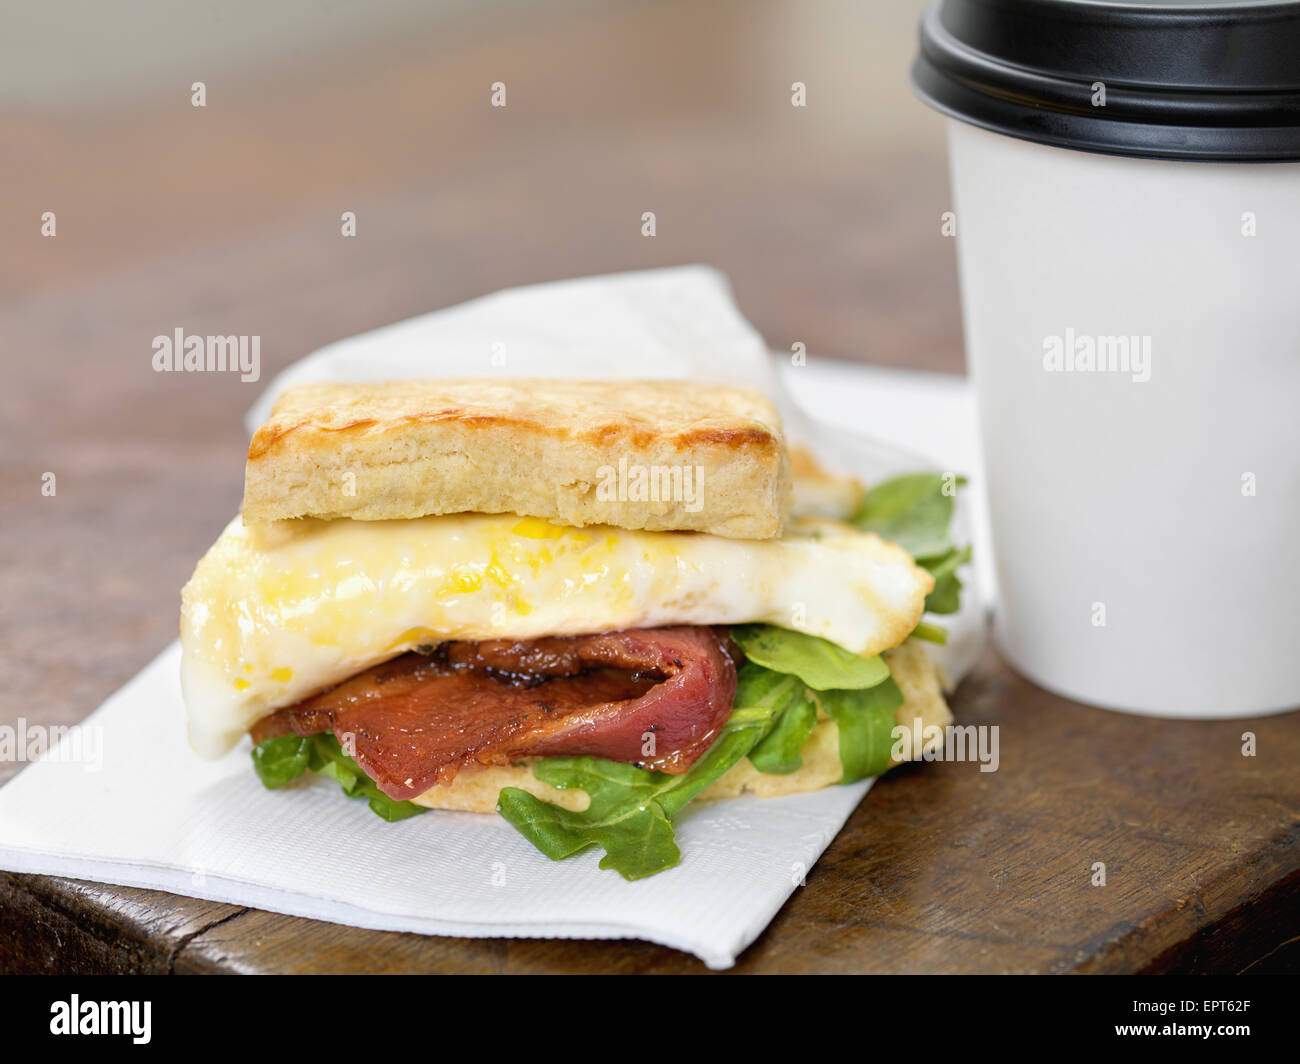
[[1145, 515]]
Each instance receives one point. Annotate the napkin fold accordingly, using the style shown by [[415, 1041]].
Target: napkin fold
[[146, 811]]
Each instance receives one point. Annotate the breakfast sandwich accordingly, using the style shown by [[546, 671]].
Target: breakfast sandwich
[[578, 604]]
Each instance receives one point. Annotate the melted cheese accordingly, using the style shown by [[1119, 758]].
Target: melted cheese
[[274, 613]]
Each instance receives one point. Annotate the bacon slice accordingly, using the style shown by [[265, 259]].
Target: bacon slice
[[415, 721]]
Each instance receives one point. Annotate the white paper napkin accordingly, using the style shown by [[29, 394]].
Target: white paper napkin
[[151, 813]]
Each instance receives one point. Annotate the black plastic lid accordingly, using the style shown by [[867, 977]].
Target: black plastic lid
[[1182, 80]]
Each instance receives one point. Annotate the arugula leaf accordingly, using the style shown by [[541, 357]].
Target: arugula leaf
[[819, 663], [946, 596], [329, 759], [865, 720], [778, 752], [277, 761], [631, 809], [931, 633], [913, 511], [761, 697], [623, 817]]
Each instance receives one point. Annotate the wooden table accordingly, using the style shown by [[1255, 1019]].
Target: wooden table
[[227, 221]]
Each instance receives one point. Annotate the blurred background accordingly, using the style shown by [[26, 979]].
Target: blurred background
[[825, 217], [225, 219]]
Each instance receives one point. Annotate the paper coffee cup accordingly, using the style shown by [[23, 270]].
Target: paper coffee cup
[[1130, 277]]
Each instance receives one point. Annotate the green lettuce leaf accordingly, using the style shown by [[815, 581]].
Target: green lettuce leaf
[[277, 761], [819, 663]]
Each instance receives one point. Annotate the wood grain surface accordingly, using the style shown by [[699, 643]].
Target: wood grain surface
[[227, 221]]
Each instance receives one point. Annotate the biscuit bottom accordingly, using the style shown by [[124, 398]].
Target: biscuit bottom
[[923, 706]]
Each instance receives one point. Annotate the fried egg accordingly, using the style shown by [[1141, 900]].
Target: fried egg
[[276, 612]]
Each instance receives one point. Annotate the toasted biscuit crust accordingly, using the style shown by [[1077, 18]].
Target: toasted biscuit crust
[[923, 706], [654, 455]]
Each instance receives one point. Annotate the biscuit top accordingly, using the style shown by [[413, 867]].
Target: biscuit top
[[656, 455]]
